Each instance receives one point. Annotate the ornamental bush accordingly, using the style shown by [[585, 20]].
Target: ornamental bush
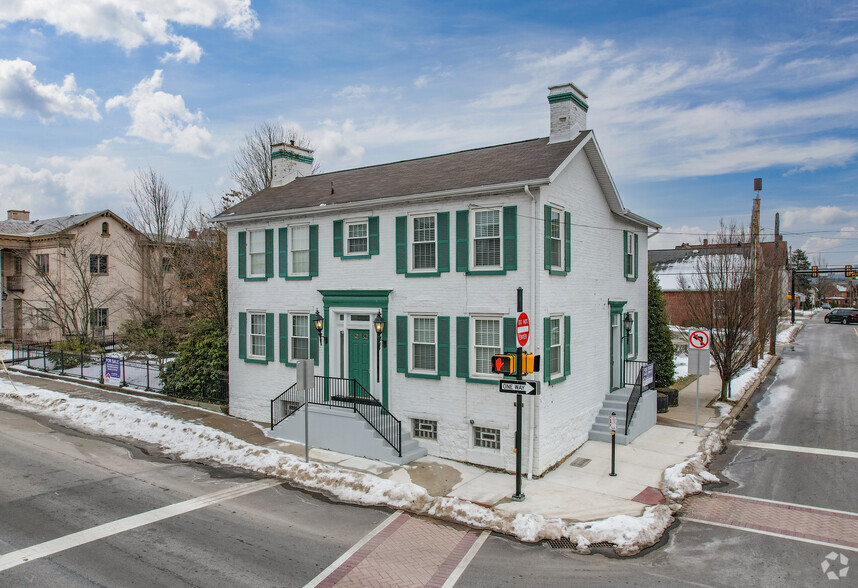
[[661, 349], [200, 365]]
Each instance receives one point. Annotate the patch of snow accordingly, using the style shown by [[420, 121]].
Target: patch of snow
[[787, 335], [5, 354], [680, 365]]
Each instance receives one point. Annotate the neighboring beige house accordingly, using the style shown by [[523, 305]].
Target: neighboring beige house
[[74, 274]]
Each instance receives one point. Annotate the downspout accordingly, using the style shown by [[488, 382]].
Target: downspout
[[533, 306]]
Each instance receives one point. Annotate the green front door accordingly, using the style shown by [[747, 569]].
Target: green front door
[[359, 358]]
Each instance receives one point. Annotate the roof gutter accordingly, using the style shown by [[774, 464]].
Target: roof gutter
[[362, 204], [641, 220]]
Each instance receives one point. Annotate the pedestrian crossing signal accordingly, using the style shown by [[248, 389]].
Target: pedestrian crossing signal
[[503, 364], [848, 271], [814, 271]]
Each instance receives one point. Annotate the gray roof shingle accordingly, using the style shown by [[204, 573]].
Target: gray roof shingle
[[534, 159], [43, 227]]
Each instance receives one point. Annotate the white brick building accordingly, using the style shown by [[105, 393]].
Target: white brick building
[[439, 246]]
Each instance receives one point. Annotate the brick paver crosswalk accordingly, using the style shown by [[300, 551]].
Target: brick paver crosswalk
[[801, 522], [409, 551]]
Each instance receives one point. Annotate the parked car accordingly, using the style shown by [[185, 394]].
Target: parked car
[[825, 306], [844, 316]]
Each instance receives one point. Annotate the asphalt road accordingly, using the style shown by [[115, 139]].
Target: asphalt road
[[54, 482]]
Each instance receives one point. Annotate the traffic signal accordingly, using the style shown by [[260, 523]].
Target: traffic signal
[[814, 271], [529, 363], [503, 364], [848, 271]]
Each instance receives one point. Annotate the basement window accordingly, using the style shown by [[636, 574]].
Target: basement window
[[424, 429], [487, 438]]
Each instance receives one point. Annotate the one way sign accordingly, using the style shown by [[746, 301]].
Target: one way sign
[[519, 387]]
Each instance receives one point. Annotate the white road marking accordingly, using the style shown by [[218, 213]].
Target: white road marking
[[819, 508], [341, 560], [472, 552], [797, 449], [16, 558], [771, 534]]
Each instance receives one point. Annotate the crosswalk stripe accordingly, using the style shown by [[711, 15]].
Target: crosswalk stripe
[[797, 449], [16, 558], [770, 534]]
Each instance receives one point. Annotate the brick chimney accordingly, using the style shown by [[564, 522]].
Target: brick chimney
[[568, 112], [288, 161], [21, 215]]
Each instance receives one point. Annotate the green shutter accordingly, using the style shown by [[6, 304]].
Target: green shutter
[[461, 240], [314, 343], [510, 238], [338, 238], [509, 339], [443, 346], [463, 369], [269, 334], [443, 242], [284, 338], [637, 261], [314, 251], [373, 235], [402, 344], [269, 253], [282, 253], [242, 335], [546, 349], [626, 253], [401, 244], [547, 238], [567, 237], [242, 255], [567, 345]]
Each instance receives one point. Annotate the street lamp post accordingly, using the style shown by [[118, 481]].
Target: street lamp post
[[379, 324], [319, 323]]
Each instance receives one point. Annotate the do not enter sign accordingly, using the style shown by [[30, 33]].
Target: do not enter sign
[[522, 329], [699, 339]]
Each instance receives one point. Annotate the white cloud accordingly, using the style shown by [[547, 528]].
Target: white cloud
[[421, 81], [21, 92], [354, 92], [188, 51], [670, 237], [816, 215], [134, 23], [163, 118], [64, 185], [337, 145]]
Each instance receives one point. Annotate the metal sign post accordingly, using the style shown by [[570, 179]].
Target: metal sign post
[[306, 382], [519, 403], [698, 363]]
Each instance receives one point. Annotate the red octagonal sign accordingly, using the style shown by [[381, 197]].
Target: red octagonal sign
[[522, 329]]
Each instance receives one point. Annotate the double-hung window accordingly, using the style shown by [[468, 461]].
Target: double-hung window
[[98, 319], [556, 237], [357, 238], [630, 254], [424, 345], [43, 263], [256, 252], [487, 239], [299, 340], [423, 243], [299, 249], [97, 264], [556, 339], [487, 342], [257, 335]]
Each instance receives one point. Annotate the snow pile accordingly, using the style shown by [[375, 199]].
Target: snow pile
[[787, 335], [195, 442], [680, 365], [688, 477], [5, 354], [749, 377]]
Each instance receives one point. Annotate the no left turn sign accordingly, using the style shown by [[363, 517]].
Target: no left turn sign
[[699, 339]]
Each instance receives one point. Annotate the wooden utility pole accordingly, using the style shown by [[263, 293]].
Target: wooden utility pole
[[755, 259]]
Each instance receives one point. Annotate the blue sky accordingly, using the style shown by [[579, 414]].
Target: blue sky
[[689, 104]]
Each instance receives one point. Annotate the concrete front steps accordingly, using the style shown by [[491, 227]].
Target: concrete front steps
[[343, 430], [642, 420]]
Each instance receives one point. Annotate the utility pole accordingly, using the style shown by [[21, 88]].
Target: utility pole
[[755, 259], [776, 280]]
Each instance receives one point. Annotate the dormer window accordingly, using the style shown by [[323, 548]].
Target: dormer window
[[105, 229]]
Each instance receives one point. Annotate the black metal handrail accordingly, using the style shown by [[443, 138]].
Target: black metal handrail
[[631, 369], [637, 391], [343, 393]]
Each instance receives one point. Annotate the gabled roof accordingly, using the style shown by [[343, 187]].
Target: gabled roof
[[45, 227], [532, 162]]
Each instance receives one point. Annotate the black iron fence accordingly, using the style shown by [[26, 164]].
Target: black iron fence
[[135, 372], [637, 390], [344, 393]]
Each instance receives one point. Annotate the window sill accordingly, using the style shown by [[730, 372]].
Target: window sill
[[555, 380], [255, 360], [359, 256], [500, 272], [256, 279], [424, 376], [631, 279], [297, 277], [557, 272], [481, 381], [422, 274]]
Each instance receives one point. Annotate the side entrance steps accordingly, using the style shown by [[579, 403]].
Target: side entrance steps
[[343, 430], [643, 419]]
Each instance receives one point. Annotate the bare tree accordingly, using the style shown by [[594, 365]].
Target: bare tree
[[720, 298], [74, 293], [251, 166]]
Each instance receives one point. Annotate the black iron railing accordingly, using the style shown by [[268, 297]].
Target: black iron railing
[[637, 391], [344, 393], [631, 369]]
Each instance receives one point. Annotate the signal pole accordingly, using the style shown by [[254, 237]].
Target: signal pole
[[519, 403]]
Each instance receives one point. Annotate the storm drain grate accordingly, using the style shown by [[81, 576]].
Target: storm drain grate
[[580, 462], [566, 543]]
